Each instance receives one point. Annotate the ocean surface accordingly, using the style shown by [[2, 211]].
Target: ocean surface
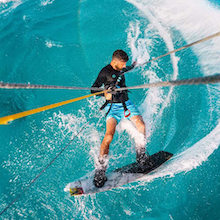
[[56, 42]]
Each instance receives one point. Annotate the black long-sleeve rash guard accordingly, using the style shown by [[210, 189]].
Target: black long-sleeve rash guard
[[108, 77]]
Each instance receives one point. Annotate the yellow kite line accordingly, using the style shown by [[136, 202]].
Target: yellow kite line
[[9, 118]]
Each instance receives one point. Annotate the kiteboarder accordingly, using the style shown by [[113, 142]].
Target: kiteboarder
[[117, 106]]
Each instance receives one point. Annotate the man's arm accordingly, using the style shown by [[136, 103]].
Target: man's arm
[[128, 68], [98, 83]]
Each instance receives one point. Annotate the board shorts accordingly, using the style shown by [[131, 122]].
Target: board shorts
[[117, 110]]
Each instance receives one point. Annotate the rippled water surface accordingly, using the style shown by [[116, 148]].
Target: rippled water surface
[[57, 42]]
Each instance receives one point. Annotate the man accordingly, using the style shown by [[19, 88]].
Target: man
[[117, 106]]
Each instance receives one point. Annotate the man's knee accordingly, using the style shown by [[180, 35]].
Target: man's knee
[[108, 138], [139, 123], [141, 126]]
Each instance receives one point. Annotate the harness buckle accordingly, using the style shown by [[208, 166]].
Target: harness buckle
[[112, 89], [125, 113]]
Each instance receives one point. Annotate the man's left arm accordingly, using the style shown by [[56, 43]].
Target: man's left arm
[[128, 68]]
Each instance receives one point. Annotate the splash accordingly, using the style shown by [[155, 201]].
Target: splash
[[46, 2], [156, 100], [7, 6], [190, 158], [51, 44], [191, 24]]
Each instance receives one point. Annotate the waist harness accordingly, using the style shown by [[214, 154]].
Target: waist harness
[[127, 112]]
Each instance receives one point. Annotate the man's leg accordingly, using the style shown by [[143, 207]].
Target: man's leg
[[110, 130], [141, 146], [139, 123], [101, 165]]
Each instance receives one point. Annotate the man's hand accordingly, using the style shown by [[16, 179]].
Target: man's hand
[[108, 96], [128, 68], [134, 63]]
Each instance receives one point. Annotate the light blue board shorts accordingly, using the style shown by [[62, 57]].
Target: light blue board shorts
[[117, 110]]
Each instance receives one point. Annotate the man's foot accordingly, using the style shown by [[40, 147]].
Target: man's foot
[[143, 159], [99, 178]]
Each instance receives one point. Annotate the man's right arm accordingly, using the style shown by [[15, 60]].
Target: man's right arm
[[98, 83]]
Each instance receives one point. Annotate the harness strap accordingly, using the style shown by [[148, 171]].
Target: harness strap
[[104, 105], [127, 112], [108, 110]]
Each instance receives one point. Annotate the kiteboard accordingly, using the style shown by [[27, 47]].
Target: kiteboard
[[121, 176]]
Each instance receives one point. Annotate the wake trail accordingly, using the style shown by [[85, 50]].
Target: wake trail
[[167, 18]]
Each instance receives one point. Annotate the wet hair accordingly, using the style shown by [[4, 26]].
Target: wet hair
[[121, 55]]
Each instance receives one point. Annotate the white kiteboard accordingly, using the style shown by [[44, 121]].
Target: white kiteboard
[[118, 177]]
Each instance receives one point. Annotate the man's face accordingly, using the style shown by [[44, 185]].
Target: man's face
[[120, 64]]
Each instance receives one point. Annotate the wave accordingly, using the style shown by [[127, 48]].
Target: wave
[[50, 43], [6, 6], [46, 2], [166, 19], [190, 158]]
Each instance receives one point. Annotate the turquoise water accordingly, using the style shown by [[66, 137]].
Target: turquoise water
[[67, 43]]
